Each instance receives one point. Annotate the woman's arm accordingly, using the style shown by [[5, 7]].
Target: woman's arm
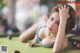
[[30, 33], [39, 34], [61, 30]]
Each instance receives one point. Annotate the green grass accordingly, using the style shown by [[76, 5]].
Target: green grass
[[15, 44]]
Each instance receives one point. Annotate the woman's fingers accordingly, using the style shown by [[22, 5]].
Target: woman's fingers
[[68, 8], [59, 8], [64, 6], [32, 44], [64, 9]]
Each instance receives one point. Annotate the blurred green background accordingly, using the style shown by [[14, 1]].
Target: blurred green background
[[15, 44]]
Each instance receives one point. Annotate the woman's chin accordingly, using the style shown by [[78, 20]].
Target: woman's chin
[[50, 31]]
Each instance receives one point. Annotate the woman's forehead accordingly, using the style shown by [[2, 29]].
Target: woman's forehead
[[55, 15]]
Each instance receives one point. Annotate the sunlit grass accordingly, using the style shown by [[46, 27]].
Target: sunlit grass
[[15, 44]]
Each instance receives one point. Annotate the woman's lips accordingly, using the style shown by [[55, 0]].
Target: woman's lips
[[50, 28]]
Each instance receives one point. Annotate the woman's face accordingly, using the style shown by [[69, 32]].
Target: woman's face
[[53, 23]]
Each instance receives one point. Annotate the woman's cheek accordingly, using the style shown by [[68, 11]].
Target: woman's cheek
[[48, 23], [56, 27]]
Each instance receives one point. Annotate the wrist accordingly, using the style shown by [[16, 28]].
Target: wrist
[[63, 20]]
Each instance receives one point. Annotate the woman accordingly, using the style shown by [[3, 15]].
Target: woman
[[53, 34]]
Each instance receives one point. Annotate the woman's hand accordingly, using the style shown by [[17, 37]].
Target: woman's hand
[[64, 12], [32, 44]]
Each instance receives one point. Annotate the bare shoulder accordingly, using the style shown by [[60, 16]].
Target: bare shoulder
[[46, 17]]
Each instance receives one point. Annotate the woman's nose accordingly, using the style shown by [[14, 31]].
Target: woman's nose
[[52, 24]]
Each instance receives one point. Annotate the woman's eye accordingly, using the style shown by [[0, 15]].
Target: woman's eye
[[51, 19], [57, 23]]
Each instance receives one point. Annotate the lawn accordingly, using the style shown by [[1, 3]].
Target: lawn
[[15, 44]]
